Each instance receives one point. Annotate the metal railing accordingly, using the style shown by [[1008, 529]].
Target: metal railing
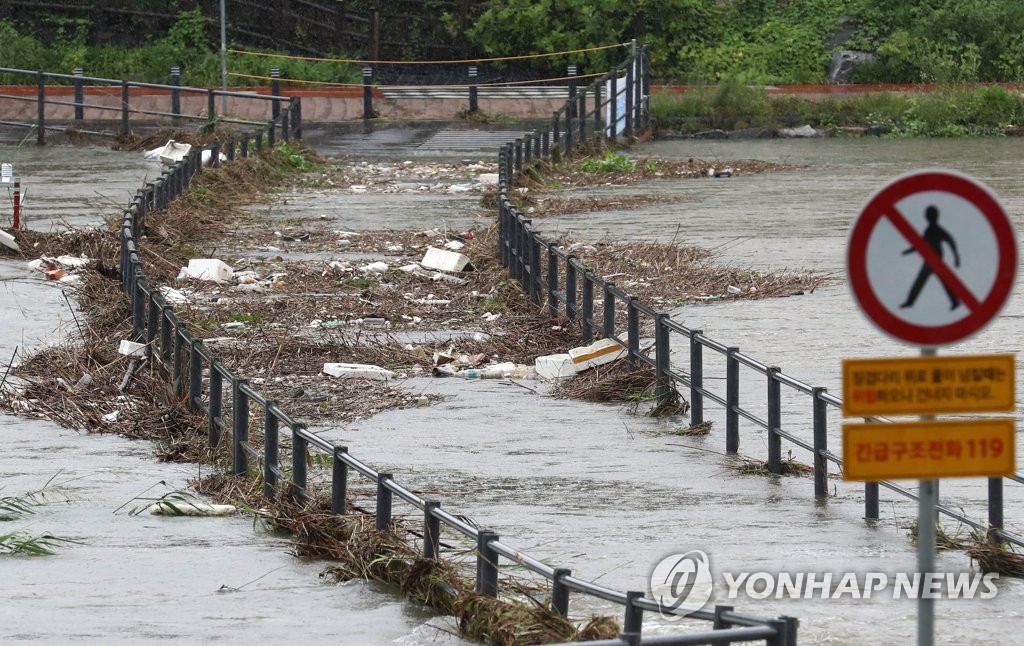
[[554, 279], [196, 374], [122, 101]]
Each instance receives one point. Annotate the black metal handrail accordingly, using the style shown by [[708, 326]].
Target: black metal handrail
[[552, 277], [274, 103], [170, 341]]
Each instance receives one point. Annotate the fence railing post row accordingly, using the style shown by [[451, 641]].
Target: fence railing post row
[[486, 564], [239, 427], [195, 374], [732, 401], [384, 498], [560, 591], [608, 315], [431, 529], [774, 421], [696, 378], [820, 443], [339, 481], [299, 449], [79, 94], [271, 446], [40, 108], [632, 329], [216, 404]]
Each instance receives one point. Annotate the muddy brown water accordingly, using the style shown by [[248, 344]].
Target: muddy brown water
[[585, 486]]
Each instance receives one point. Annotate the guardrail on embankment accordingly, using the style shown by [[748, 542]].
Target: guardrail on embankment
[[556, 280], [64, 102], [210, 387]]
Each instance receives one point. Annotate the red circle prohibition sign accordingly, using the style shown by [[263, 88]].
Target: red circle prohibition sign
[[982, 308]]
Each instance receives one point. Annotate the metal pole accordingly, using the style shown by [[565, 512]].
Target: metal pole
[[926, 518], [223, 57], [79, 94], [473, 104]]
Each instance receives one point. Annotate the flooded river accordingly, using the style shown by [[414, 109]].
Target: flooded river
[[584, 486]]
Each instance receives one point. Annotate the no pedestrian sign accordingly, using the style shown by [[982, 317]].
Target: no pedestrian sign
[[932, 257]]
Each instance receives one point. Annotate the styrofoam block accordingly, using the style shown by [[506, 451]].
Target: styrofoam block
[[555, 366], [132, 349], [358, 371], [596, 354], [209, 269], [444, 260]]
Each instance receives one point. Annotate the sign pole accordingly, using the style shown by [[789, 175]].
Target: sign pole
[[926, 518]]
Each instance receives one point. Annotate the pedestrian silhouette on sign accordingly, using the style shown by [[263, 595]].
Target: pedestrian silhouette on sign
[[934, 235]]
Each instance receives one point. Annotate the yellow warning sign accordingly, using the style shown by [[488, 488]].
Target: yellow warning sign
[[929, 385], [928, 450]]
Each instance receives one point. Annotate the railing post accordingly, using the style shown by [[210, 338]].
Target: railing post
[[820, 444], [545, 144], [634, 617], [383, 502], [568, 132], [871, 501], [597, 111], [608, 322], [124, 107], [216, 399], [79, 94], [995, 502], [556, 135], [519, 155], [176, 382], [339, 481], [211, 107], [239, 428], [570, 289], [175, 92], [195, 375], [588, 306], [271, 134], [165, 337], [535, 281], [720, 623], [245, 144], [271, 443], [40, 108], [582, 100], [486, 564], [560, 592], [299, 449], [662, 363], [138, 303], [275, 91], [297, 117], [696, 378], [630, 94], [431, 529], [152, 324], [535, 138], [632, 329], [644, 88], [367, 92], [571, 73], [613, 104], [473, 105], [774, 421], [552, 282], [732, 401]]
